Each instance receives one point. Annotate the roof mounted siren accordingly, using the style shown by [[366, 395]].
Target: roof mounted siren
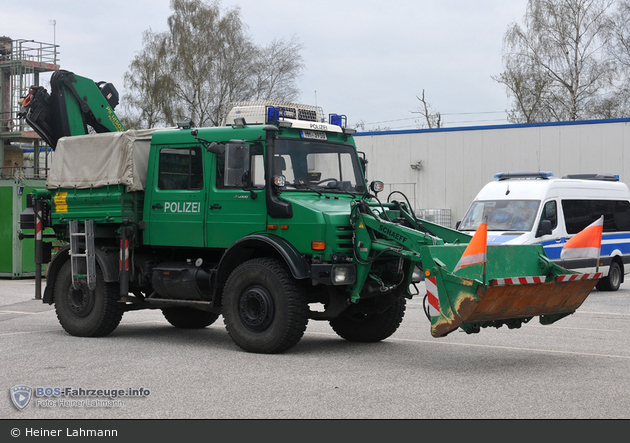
[[342, 122]]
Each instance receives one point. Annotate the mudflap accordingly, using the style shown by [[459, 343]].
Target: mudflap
[[519, 283]]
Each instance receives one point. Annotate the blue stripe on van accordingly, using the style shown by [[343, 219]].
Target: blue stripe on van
[[610, 243]]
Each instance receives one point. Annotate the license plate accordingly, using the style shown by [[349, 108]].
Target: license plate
[[314, 134]]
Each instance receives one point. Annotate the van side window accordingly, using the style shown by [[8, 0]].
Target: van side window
[[550, 212], [180, 168], [578, 214]]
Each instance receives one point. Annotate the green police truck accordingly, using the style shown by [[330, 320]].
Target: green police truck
[[267, 221]]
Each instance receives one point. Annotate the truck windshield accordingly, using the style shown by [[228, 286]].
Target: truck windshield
[[319, 166], [503, 215]]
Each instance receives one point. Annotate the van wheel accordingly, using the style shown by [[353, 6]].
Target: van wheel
[[264, 309], [612, 281]]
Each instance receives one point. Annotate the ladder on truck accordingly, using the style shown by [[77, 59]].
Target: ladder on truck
[[82, 258]]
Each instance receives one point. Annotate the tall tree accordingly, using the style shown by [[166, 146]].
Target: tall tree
[[556, 66], [205, 61]]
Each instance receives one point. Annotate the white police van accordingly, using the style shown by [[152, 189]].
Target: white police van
[[537, 208]]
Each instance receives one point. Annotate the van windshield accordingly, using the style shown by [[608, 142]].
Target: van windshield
[[503, 215]]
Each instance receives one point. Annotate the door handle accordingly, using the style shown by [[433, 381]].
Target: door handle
[[215, 207], [157, 206]]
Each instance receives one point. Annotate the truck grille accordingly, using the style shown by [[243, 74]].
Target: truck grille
[[344, 239]]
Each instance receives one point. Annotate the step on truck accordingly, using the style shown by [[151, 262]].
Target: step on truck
[[267, 221]]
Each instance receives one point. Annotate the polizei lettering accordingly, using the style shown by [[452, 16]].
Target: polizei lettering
[[318, 127], [182, 207], [391, 233]]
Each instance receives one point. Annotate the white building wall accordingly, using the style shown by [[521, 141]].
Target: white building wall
[[457, 163]]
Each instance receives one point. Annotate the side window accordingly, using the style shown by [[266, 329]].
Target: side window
[[550, 212], [579, 214], [621, 215], [240, 166], [180, 169]]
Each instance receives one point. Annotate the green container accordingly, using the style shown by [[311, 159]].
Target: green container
[[17, 257]]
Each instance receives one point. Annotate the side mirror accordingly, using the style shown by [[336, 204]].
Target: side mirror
[[216, 148], [544, 228]]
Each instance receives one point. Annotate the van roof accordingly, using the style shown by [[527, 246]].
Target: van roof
[[538, 189]]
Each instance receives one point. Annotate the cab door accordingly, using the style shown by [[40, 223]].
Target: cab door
[[176, 209], [554, 242], [235, 203]]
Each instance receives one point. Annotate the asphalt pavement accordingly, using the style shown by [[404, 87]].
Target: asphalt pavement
[[577, 368]]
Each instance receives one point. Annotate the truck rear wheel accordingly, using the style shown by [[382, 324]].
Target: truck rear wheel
[[86, 313], [358, 324], [189, 318], [263, 308]]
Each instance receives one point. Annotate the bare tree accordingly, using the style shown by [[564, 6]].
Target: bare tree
[[203, 62], [150, 83], [275, 68], [428, 119], [556, 65], [619, 50], [362, 126]]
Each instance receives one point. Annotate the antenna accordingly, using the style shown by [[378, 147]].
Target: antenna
[[54, 25]]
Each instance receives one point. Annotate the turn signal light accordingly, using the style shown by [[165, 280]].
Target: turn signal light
[[318, 245]]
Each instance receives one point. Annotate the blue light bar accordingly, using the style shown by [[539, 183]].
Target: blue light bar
[[523, 174], [273, 114], [338, 120]]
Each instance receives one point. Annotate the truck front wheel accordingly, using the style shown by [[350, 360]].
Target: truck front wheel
[[189, 318], [263, 308], [362, 324], [86, 313]]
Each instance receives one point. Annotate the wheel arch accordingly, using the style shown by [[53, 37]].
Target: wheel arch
[[618, 257], [619, 260], [261, 245], [108, 263]]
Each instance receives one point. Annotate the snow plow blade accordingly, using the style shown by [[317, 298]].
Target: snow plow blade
[[519, 283]]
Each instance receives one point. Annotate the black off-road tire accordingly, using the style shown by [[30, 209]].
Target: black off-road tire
[[264, 310], [358, 326], [189, 318], [85, 313], [612, 281]]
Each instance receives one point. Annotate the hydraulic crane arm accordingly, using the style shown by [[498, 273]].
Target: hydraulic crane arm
[[74, 105]]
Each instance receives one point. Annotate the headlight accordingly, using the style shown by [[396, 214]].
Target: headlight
[[343, 274], [279, 180]]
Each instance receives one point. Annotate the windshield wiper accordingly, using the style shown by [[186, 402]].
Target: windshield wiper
[[306, 187]]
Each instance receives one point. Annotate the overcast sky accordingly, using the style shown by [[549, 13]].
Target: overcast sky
[[366, 59]]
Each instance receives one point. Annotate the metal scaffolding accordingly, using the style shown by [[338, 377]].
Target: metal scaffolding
[[21, 63]]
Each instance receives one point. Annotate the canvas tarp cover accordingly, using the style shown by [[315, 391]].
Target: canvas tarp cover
[[96, 160]]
